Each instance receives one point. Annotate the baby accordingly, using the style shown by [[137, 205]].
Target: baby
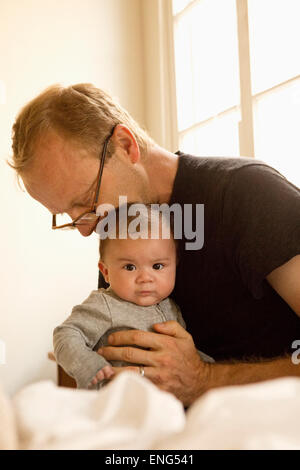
[[141, 276]]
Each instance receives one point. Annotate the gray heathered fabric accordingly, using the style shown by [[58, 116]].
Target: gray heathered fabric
[[78, 338]]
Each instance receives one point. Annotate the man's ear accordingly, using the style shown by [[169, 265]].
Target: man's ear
[[104, 271], [124, 138]]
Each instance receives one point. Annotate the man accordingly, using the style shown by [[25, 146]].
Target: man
[[239, 294]]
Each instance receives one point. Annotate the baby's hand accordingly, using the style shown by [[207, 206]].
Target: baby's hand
[[105, 373]]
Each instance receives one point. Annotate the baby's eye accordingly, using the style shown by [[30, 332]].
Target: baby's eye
[[129, 267], [158, 266]]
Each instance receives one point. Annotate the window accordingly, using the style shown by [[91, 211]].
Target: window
[[237, 67]]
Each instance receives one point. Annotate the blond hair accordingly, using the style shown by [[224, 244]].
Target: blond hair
[[81, 113]]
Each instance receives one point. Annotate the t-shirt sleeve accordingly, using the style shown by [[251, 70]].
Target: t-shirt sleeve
[[261, 223]]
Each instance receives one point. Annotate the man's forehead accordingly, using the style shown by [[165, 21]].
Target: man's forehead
[[51, 148], [59, 172], [45, 175], [43, 191], [49, 153], [47, 159]]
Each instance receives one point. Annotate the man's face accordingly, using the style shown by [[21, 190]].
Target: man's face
[[63, 178]]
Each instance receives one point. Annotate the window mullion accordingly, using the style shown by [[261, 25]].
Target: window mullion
[[246, 135]]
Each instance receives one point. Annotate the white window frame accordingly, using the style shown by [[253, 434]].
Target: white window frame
[[159, 73], [161, 102]]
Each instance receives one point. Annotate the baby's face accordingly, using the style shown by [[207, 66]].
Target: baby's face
[[140, 271]]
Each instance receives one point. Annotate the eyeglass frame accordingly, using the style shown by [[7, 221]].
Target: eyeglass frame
[[97, 191]]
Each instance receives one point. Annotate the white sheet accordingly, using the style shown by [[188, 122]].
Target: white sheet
[[131, 413], [128, 413], [8, 435]]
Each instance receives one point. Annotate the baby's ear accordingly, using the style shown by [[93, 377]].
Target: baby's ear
[[103, 270]]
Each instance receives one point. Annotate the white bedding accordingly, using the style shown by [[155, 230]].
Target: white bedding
[[131, 413]]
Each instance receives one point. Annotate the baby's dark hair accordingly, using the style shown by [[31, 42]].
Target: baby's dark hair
[[147, 213]]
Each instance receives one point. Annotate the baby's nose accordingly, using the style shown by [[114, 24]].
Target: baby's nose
[[144, 276]]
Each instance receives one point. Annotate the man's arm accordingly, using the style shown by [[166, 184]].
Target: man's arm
[[173, 364], [248, 372], [286, 281]]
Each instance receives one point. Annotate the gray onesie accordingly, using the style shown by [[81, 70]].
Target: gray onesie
[[78, 338]]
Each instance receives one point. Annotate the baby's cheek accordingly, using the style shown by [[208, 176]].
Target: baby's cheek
[[124, 288], [169, 282]]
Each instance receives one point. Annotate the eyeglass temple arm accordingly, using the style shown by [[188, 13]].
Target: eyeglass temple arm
[[103, 159]]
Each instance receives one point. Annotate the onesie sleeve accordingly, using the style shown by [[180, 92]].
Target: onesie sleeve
[[261, 223], [75, 338]]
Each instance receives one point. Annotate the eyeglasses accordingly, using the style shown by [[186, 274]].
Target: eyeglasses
[[88, 217]]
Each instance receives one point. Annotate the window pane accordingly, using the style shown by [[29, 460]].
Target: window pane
[[179, 5], [276, 129], [206, 60], [217, 137], [274, 41], [184, 76]]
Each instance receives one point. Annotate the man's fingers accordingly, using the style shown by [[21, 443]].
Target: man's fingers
[[127, 354], [118, 370], [144, 339], [150, 373], [171, 328]]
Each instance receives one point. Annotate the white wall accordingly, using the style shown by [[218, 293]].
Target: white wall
[[44, 273]]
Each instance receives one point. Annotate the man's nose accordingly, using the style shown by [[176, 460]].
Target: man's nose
[[85, 228]]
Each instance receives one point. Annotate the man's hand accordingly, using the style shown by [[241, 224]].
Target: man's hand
[[171, 361]]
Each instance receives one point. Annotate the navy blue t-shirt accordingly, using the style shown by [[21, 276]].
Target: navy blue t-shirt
[[251, 227]]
